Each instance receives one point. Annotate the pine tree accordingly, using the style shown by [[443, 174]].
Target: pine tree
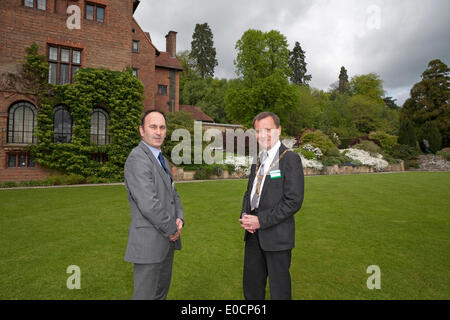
[[203, 51], [343, 81], [298, 66]]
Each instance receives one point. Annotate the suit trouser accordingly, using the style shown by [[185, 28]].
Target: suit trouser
[[152, 281], [260, 264]]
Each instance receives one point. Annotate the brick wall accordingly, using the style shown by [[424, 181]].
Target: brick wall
[[104, 45]]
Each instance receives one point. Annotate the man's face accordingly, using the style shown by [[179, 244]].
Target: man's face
[[154, 130], [267, 132]]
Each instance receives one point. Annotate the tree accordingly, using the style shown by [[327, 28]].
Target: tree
[[260, 55], [203, 51], [273, 93], [343, 81], [430, 132], [430, 99], [407, 134], [32, 79], [298, 64], [390, 103], [263, 66], [369, 85]]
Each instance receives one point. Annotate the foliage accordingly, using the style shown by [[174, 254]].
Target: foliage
[[209, 95], [273, 93], [203, 51], [444, 154], [205, 171], [317, 139], [386, 140], [430, 99], [368, 146], [120, 93], [298, 64], [260, 55], [430, 132], [407, 133], [343, 80], [31, 80], [369, 85], [177, 120]]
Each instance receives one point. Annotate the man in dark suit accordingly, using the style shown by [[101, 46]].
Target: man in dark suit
[[156, 212], [274, 194]]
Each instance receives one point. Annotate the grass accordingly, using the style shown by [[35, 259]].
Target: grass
[[400, 222]]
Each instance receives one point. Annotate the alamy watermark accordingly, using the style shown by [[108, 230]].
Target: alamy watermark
[[374, 281], [74, 280]]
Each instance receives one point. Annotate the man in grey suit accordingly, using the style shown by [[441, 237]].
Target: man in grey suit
[[274, 194], [156, 212]]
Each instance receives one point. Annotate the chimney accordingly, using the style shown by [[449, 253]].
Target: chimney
[[171, 43]]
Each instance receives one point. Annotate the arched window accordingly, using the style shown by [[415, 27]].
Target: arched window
[[62, 125], [99, 127], [22, 123]]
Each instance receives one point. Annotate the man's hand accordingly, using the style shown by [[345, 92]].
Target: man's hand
[[179, 223], [249, 222], [174, 237]]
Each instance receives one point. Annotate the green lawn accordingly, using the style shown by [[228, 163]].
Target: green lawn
[[400, 222]]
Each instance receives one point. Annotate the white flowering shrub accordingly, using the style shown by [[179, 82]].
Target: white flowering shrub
[[377, 162], [307, 163], [240, 162], [316, 150]]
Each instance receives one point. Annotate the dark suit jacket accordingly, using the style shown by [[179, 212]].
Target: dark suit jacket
[[154, 204], [280, 199]]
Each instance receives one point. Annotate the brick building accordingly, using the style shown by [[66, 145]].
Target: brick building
[[107, 36]]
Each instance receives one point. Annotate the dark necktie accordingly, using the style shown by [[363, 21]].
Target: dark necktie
[[260, 176], [163, 164]]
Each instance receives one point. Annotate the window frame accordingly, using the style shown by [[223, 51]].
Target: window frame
[[35, 4], [137, 42], [29, 161], [162, 89], [12, 118], [95, 7], [106, 136], [58, 62], [62, 134]]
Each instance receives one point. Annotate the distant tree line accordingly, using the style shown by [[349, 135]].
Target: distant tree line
[[271, 77]]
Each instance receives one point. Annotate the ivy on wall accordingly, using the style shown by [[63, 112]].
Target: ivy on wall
[[120, 94]]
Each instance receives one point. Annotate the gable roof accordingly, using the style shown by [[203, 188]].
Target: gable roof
[[196, 112], [164, 60]]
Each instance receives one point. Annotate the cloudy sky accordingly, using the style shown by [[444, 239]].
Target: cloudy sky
[[393, 38]]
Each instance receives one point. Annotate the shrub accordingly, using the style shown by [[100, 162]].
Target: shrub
[[310, 155], [317, 139], [387, 141], [8, 184], [368, 146], [443, 154]]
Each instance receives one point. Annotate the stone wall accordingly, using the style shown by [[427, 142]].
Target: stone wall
[[181, 175]]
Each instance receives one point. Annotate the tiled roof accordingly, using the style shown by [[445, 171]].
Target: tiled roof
[[164, 60], [196, 112]]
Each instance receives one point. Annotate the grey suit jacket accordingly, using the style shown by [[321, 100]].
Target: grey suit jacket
[[154, 204]]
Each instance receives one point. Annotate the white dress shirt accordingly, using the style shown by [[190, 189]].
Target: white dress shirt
[[270, 157]]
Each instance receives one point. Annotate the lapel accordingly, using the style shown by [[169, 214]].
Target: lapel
[[157, 165], [267, 178]]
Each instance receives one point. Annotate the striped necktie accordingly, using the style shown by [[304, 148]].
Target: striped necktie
[[260, 176]]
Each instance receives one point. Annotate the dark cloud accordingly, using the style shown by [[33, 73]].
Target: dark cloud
[[395, 39]]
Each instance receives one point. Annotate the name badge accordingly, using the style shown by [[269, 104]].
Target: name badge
[[275, 174]]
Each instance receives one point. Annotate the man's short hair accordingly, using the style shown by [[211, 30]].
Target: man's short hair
[[151, 111], [264, 115]]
